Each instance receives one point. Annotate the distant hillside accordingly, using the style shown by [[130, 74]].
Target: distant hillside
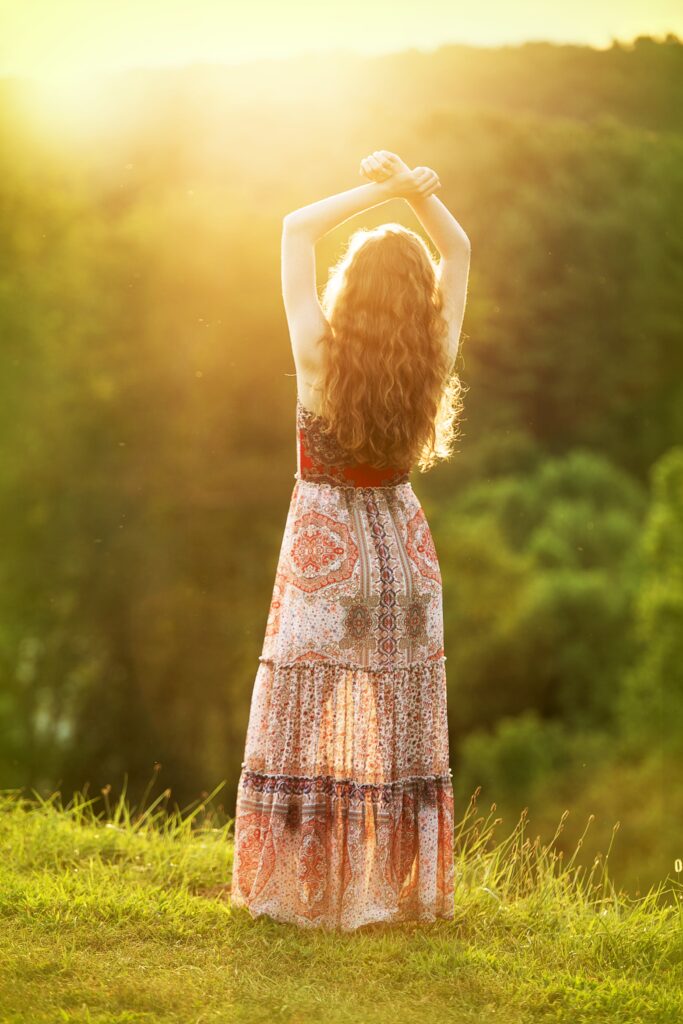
[[142, 488], [640, 84]]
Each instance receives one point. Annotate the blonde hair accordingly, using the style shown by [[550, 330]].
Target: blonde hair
[[388, 397]]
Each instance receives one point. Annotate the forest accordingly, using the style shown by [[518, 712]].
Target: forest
[[147, 398]]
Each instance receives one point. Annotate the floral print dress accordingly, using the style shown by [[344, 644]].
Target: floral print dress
[[344, 812]]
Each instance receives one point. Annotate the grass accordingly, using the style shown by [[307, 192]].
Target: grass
[[116, 914]]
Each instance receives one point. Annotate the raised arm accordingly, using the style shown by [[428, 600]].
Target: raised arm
[[300, 230], [316, 219], [454, 266], [446, 232]]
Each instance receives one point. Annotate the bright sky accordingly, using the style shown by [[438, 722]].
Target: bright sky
[[55, 37]]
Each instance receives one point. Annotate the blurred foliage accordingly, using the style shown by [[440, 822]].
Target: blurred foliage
[[539, 574], [147, 404], [652, 695]]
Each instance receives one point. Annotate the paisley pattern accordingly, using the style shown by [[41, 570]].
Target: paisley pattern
[[321, 552], [344, 811]]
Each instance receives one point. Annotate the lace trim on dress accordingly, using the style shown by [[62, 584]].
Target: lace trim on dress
[[349, 789]]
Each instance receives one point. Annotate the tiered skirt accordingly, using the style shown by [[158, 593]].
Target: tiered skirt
[[344, 812]]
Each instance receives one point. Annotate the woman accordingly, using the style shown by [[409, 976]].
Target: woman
[[344, 810]]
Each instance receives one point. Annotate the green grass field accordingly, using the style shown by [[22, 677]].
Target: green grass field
[[117, 915]]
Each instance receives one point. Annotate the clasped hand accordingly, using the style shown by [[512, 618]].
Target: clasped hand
[[399, 181]]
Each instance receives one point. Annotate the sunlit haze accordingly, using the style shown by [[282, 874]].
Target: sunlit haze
[[44, 38]]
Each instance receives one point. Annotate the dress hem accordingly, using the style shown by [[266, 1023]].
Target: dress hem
[[390, 920]]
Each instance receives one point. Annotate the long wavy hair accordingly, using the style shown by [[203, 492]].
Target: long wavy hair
[[388, 394]]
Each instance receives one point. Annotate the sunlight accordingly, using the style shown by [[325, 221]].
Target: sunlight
[[78, 101], [45, 38]]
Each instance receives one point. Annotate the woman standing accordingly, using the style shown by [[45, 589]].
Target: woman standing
[[344, 810]]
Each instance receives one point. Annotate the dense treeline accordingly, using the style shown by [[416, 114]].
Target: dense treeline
[[148, 397]]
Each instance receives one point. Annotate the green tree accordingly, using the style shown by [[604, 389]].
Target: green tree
[[651, 704]]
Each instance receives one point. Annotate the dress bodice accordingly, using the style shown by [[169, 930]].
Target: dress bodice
[[320, 459]]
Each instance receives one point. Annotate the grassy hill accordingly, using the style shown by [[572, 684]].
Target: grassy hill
[[115, 914]]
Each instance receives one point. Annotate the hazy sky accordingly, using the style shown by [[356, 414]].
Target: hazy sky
[[46, 37]]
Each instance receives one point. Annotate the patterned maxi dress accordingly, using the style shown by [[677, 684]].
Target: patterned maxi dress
[[344, 812]]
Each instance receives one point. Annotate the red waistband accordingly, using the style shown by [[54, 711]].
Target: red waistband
[[359, 475]]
